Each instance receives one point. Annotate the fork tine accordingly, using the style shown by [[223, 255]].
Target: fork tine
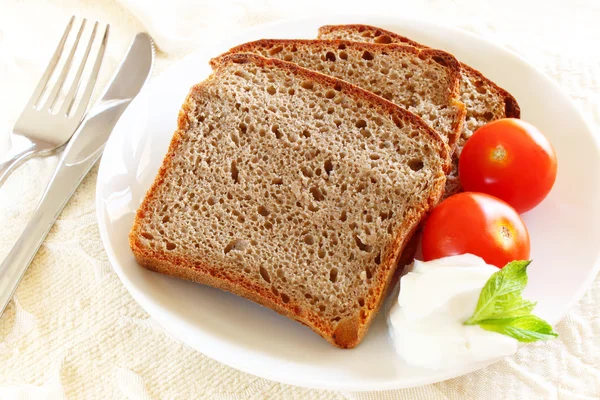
[[53, 96], [70, 97], [89, 88], [37, 93]]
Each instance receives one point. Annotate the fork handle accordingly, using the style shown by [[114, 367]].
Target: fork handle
[[62, 185], [21, 149]]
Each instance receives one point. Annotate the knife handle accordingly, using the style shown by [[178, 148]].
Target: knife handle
[[65, 180]]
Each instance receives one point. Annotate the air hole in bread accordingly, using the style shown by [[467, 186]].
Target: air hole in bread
[[369, 273], [488, 116], [291, 91], [337, 123], [383, 39], [211, 201], [275, 130], [306, 171], [281, 275], [285, 298], [362, 246], [343, 55], [366, 133], [397, 121], [243, 128], [330, 110], [415, 164], [378, 259], [288, 57], [361, 186], [308, 239], [234, 138], [361, 123], [275, 50], [317, 193], [385, 215], [234, 172], [321, 253], [343, 216], [361, 301], [387, 95], [374, 156], [271, 90], [440, 60], [328, 167], [330, 56], [277, 181], [166, 219], [307, 85], [262, 210], [333, 274], [322, 308], [369, 218], [237, 245], [341, 46], [363, 315], [330, 94], [148, 236], [171, 246], [264, 274], [367, 56], [274, 290], [311, 154]]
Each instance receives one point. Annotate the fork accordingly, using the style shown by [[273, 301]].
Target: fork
[[39, 130]]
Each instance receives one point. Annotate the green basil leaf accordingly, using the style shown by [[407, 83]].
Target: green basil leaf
[[528, 328], [501, 308], [501, 292]]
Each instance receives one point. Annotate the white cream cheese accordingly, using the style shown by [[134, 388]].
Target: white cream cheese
[[427, 321]]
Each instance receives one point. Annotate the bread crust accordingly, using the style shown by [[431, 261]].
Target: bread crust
[[443, 58], [349, 332]]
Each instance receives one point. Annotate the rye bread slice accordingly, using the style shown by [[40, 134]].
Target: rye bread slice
[[293, 189], [424, 81], [484, 100]]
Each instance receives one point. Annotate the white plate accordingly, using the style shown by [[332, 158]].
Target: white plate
[[565, 229]]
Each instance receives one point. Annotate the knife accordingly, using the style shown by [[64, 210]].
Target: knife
[[82, 152]]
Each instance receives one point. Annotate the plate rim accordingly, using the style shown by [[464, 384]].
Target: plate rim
[[161, 315]]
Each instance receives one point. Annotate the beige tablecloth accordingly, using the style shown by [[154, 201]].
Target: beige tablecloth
[[73, 331]]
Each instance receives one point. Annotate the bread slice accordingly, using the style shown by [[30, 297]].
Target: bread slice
[[293, 189], [424, 81], [485, 101]]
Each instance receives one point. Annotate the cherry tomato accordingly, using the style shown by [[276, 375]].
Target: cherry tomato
[[479, 224], [509, 159]]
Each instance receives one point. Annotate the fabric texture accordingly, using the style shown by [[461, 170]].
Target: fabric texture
[[73, 331]]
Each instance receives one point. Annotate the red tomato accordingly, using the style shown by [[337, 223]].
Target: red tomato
[[479, 224], [509, 159]]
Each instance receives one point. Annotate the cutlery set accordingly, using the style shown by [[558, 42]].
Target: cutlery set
[[51, 121]]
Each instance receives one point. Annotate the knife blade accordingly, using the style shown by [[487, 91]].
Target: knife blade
[[82, 152]]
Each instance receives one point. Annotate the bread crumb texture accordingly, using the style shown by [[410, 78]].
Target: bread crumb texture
[[295, 190]]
